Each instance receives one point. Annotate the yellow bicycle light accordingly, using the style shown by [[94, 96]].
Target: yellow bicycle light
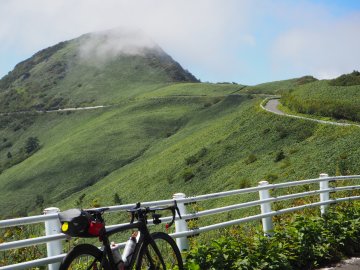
[[65, 227]]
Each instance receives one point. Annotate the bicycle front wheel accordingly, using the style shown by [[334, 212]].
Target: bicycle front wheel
[[84, 257], [149, 260]]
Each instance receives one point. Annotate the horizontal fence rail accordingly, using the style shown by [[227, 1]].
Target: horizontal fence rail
[[54, 237]]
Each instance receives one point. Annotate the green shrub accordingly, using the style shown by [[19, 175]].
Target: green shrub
[[347, 79], [245, 183], [188, 174], [305, 80], [279, 156], [32, 145], [298, 243], [193, 159], [271, 177], [250, 159]]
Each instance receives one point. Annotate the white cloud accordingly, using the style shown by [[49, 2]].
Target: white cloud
[[324, 49], [193, 32], [99, 47], [215, 39]]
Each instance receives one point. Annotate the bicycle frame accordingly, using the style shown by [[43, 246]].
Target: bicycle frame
[[145, 238]]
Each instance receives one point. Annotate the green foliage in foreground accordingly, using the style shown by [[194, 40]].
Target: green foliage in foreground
[[22, 254], [301, 242]]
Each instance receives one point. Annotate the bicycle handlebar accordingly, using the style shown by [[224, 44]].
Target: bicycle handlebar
[[141, 213]]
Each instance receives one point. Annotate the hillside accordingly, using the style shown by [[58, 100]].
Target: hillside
[[163, 132], [338, 98], [279, 87], [94, 69]]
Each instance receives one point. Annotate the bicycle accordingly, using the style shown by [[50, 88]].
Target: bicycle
[[152, 251]]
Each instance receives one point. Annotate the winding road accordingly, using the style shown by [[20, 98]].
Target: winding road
[[271, 105]]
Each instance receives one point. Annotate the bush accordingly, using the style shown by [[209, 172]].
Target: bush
[[300, 243], [250, 159], [347, 79], [271, 177], [195, 158], [32, 145], [245, 183], [188, 174], [117, 199], [279, 156]]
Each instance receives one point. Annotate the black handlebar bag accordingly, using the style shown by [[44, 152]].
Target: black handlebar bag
[[80, 223]]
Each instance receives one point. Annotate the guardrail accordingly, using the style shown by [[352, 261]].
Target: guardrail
[[54, 237]]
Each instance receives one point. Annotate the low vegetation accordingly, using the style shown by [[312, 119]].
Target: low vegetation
[[347, 79], [279, 87], [300, 242], [338, 98]]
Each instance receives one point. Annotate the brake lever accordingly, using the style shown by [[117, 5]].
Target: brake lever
[[133, 213], [168, 225], [177, 209], [173, 209]]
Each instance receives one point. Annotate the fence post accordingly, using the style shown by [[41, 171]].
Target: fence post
[[181, 225], [266, 208], [324, 196], [53, 226]]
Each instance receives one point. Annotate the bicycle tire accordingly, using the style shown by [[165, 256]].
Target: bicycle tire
[[168, 249], [84, 256]]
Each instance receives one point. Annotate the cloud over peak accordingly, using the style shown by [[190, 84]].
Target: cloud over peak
[[99, 47]]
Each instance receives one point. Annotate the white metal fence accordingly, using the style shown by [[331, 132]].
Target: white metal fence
[[54, 237]]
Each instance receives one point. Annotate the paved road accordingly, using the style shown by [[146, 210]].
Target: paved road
[[272, 104], [350, 264]]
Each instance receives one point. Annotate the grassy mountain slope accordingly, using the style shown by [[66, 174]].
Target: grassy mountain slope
[[66, 76], [81, 148], [279, 87], [230, 145], [163, 132], [152, 147], [338, 98]]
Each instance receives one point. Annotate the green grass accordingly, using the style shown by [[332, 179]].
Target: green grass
[[323, 99], [81, 148], [158, 137], [151, 147], [194, 89], [229, 138], [278, 87]]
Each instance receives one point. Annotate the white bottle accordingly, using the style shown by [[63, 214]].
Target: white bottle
[[117, 256], [129, 250]]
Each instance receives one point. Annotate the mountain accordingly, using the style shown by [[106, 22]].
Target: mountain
[[103, 67], [161, 132]]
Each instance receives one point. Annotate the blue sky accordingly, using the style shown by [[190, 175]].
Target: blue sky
[[244, 41]]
